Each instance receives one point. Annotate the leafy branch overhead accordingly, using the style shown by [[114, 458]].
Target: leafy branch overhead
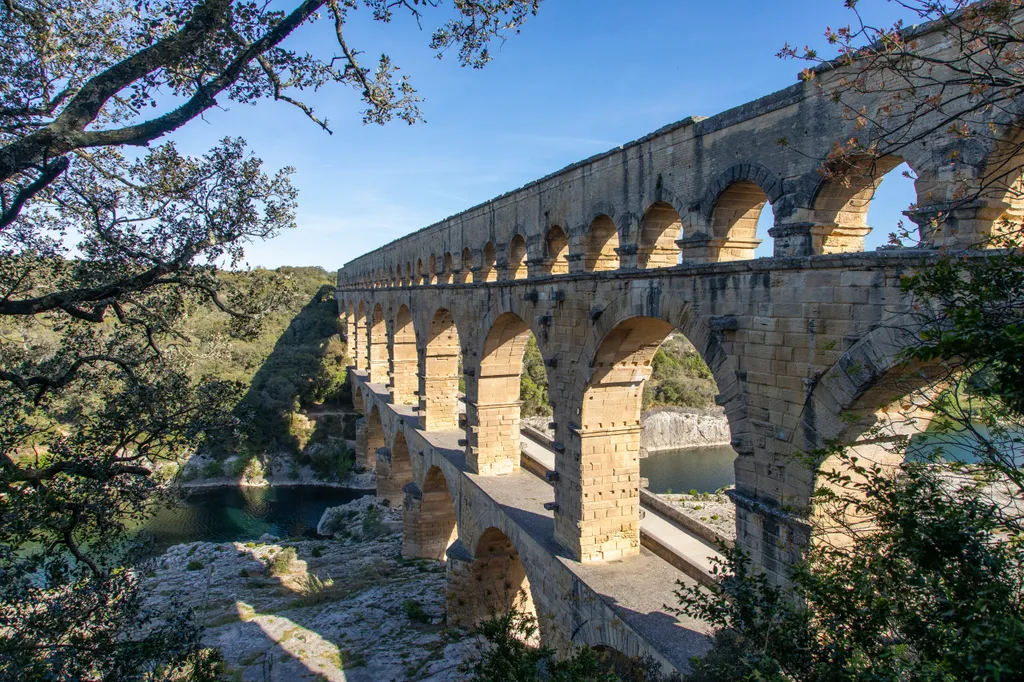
[[109, 258], [79, 81], [971, 93], [76, 76]]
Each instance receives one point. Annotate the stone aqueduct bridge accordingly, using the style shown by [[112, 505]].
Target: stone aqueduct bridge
[[590, 261]]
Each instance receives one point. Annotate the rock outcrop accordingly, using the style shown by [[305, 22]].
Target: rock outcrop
[[310, 611], [674, 428]]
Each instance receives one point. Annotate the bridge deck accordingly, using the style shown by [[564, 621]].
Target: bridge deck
[[691, 548], [636, 588]]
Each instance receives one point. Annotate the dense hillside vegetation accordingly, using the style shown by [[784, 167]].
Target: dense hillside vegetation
[[294, 367], [294, 359]]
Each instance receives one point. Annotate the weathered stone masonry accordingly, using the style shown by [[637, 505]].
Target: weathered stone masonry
[[600, 262]]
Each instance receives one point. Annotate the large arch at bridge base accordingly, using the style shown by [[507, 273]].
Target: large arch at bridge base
[[598, 489], [369, 438], [492, 401], [439, 378], [377, 344], [490, 582], [403, 359], [394, 471], [428, 518]]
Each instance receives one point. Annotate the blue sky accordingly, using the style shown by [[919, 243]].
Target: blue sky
[[583, 76]]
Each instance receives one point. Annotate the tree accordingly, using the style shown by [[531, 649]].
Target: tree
[[915, 566], [98, 395], [931, 590], [105, 251], [971, 92], [80, 77]]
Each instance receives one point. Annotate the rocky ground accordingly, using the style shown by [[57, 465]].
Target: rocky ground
[[711, 509], [347, 608]]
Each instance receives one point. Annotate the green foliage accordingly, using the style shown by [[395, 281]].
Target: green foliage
[[979, 326], [932, 591], [253, 469], [333, 461], [413, 610], [373, 523], [195, 565], [238, 466], [348, 430], [508, 658], [679, 377], [281, 563], [297, 361], [213, 469], [314, 590], [533, 383]]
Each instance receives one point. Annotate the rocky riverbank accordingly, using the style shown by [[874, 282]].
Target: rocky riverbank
[[715, 510], [343, 609]]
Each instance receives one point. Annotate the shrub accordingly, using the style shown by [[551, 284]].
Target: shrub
[[931, 591], [317, 552], [679, 377], [348, 429], [313, 590], [244, 573], [413, 610], [373, 524], [333, 462], [533, 383], [186, 474], [301, 430], [253, 469], [236, 467], [508, 658], [281, 563], [327, 426], [195, 565]]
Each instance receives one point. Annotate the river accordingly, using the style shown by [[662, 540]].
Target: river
[[704, 469], [234, 514]]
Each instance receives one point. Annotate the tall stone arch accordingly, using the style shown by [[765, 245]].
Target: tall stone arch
[[598, 465], [404, 364]]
